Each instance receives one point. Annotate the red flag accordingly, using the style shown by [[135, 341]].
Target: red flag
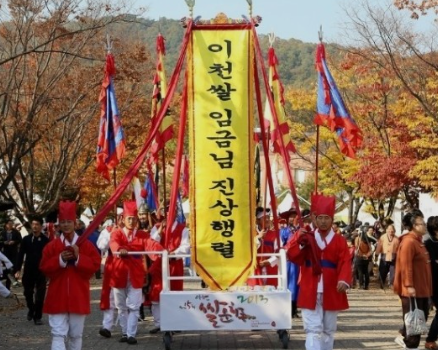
[[159, 93], [277, 91], [111, 140]]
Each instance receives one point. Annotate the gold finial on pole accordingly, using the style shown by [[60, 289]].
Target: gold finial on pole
[[191, 5], [109, 44], [320, 34], [271, 37], [249, 8]]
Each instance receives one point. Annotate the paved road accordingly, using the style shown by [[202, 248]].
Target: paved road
[[371, 323]]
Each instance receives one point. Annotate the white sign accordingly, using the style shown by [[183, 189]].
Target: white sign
[[207, 310]]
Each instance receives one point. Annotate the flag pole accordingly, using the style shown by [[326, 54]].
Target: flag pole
[[275, 119], [163, 155], [317, 159], [265, 195], [109, 46], [320, 37], [190, 5]]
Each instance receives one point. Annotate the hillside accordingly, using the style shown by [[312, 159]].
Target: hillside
[[296, 57]]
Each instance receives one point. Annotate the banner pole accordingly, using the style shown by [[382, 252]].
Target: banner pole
[[163, 155], [317, 159], [283, 151]]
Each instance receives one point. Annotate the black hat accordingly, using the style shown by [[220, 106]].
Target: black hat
[[261, 210], [305, 213]]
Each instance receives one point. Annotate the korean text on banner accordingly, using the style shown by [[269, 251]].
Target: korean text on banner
[[221, 147]]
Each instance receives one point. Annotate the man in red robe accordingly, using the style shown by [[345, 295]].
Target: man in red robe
[[325, 268], [129, 270], [267, 243], [178, 244], [69, 268]]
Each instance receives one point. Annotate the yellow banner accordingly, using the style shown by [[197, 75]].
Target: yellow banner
[[221, 153]]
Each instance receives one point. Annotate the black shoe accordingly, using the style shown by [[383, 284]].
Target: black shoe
[[38, 322], [123, 339], [105, 333], [132, 341], [154, 330], [29, 316]]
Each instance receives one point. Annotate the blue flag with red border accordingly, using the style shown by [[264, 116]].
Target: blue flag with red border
[[111, 140], [332, 111]]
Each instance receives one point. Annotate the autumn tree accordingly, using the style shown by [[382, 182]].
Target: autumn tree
[[405, 63], [417, 7], [51, 59], [334, 169]]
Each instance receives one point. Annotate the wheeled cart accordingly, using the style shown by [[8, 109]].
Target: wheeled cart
[[239, 308]]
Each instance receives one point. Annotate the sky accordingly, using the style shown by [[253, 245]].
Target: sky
[[286, 18]]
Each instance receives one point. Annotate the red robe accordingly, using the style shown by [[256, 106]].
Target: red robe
[[268, 245], [176, 267], [132, 265], [69, 287], [335, 265]]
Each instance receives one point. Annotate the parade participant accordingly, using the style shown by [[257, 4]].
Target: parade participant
[[413, 274], [143, 217], [144, 224], [178, 244], [129, 270], [386, 252], [69, 268], [34, 281], [325, 269], [107, 304], [267, 243], [287, 230], [306, 216]]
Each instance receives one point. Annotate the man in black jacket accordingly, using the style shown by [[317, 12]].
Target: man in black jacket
[[34, 281], [10, 240]]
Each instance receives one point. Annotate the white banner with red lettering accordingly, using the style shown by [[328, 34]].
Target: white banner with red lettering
[[236, 310]]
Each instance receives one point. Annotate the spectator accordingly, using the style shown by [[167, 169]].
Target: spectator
[[34, 281], [386, 252], [413, 273], [10, 240], [432, 248], [4, 292], [363, 255]]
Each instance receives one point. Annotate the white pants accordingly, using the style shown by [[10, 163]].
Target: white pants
[[67, 327], [108, 315], [320, 326], [128, 301], [155, 309], [4, 292]]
